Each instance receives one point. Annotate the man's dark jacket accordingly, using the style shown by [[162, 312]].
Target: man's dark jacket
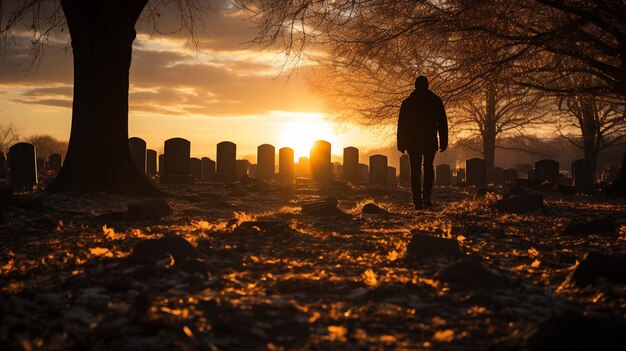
[[422, 115]]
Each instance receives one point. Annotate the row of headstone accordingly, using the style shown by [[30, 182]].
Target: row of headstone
[[22, 165]]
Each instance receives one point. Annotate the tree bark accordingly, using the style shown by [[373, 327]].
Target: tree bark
[[489, 128], [98, 158]]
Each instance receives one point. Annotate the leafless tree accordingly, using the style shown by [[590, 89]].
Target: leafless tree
[[8, 136], [101, 34]]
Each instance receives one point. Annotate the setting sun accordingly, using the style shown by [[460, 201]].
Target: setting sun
[[304, 129]]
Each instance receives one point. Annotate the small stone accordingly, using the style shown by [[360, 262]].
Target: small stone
[[373, 209], [571, 330], [265, 227], [423, 246], [471, 275], [327, 207], [596, 226], [148, 209], [520, 203], [154, 250], [597, 265]]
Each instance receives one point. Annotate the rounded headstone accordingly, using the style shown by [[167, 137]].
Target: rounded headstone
[[350, 163], [285, 164], [226, 161], [378, 169], [266, 161], [23, 165], [137, 148], [321, 170]]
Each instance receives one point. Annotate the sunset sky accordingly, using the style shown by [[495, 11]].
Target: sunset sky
[[229, 90]]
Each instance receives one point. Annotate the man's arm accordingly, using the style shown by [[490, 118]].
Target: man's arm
[[442, 127], [401, 134]]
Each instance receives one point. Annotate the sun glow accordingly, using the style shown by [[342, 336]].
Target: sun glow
[[302, 131]]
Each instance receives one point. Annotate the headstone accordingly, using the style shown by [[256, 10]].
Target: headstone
[[476, 172], [266, 161], [510, 176], [226, 162], [41, 165], [242, 168], [177, 166], [443, 175], [405, 169], [137, 148], [286, 167], [3, 165], [530, 174], [523, 168], [378, 169], [23, 165], [547, 171], [337, 170], [151, 162], [460, 175], [304, 167], [582, 171], [320, 162], [161, 165], [195, 168], [208, 169], [350, 164], [54, 162], [498, 175], [364, 172], [253, 170], [391, 175]]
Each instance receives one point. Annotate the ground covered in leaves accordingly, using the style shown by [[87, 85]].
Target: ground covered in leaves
[[264, 273]]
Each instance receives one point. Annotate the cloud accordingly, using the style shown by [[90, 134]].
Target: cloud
[[225, 77]]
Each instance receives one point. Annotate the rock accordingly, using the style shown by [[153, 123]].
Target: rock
[[520, 203], [596, 226], [6, 195], [471, 275], [194, 265], [148, 209], [264, 227], [373, 209], [597, 265], [425, 246], [571, 330], [154, 250], [327, 207]]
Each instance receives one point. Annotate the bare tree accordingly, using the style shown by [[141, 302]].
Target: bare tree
[[47, 145], [8, 136], [102, 34]]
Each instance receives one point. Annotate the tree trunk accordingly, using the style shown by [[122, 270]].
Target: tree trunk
[[489, 129], [98, 158], [618, 187]]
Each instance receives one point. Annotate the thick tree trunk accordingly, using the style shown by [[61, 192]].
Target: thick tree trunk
[[98, 158], [618, 187], [489, 129]]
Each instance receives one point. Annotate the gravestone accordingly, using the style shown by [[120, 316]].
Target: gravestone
[[253, 170], [443, 175], [23, 165], [208, 169], [151, 162], [137, 148], [460, 175], [242, 168], [3, 165], [405, 169], [510, 176], [391, 175], [530, 174], [321, 170], [195, 168], [337, 170], [226, 162], [161, 165], [547, 171], [266, 161], [523, 168], [304, 167], [498, 175], [378, 169], [364, 172], [54, 162], [350, 164], [286, 167], [582, 172], [476, 172], [41, 165], [177, 166]]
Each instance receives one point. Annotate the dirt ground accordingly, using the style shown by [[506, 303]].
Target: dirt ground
[[294, 280]]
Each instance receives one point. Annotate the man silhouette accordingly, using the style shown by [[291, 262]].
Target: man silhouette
[[422, 116]]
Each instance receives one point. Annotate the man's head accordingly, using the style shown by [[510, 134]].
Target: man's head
[[421, 83]]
